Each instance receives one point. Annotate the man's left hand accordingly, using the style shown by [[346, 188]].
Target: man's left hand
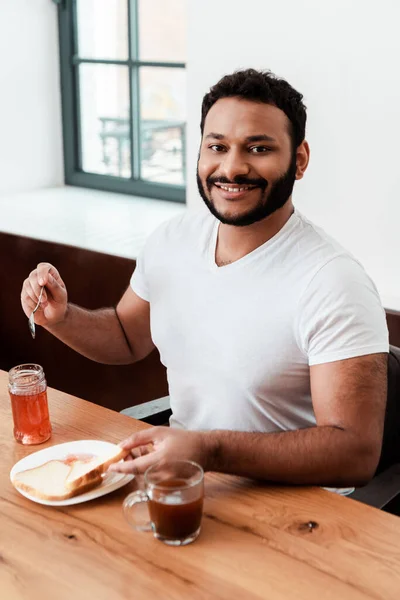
[[166, 444]]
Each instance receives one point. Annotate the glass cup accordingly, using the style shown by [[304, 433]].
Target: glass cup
[[28, 393], [174, 494]]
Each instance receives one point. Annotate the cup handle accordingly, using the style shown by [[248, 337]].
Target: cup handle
[[130, 506]]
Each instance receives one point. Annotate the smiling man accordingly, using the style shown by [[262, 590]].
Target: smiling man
[[258, 169], [273, 335]]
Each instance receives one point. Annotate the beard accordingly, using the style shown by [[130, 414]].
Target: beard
[[273, 196]]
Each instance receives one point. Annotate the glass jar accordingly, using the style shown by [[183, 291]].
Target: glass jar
[[28, 392]]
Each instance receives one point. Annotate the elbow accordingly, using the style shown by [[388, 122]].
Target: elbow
[[363, 465], [123, 360]]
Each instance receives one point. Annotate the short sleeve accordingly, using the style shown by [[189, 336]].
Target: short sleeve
[[138, 279], [340, 314]]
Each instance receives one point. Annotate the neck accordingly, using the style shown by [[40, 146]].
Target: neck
[[235, 242]]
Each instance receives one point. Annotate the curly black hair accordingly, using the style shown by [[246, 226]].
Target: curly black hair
[[265, 87]]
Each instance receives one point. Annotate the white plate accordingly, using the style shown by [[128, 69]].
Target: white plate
[[111, 481]]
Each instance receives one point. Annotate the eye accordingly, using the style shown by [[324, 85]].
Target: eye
[[217, 148], [259, 149]]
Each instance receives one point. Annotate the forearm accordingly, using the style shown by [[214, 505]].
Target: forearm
[[315, 456], [96, 334]]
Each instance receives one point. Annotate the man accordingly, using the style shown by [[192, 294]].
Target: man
[[273, 336]]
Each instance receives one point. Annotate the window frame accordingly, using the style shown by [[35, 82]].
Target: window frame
[[70, 103]]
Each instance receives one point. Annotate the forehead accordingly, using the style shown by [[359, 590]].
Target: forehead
[[237, 118]]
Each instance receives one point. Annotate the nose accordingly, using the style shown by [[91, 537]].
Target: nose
[[234, 164]]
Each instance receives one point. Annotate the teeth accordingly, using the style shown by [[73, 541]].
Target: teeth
[[230, 189]]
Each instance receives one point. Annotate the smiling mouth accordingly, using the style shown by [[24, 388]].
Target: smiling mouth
[[236, 189]]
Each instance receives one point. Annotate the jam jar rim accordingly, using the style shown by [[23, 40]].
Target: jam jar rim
[[17, 376]]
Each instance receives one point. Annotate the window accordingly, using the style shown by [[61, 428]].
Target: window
[[124, 95]]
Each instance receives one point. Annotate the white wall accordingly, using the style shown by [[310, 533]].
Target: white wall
[[343, 55], [30, 111]]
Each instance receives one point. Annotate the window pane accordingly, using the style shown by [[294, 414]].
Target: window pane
[[104, 96], [162, 30], [163, 116], [103, 29]]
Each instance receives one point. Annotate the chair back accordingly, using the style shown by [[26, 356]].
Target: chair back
[[391, 435]]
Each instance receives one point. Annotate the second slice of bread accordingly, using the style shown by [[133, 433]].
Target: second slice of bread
[[83, 473]]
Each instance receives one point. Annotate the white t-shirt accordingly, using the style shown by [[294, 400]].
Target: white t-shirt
[[238, 340]]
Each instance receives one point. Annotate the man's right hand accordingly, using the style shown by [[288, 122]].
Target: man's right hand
[[53, 306]]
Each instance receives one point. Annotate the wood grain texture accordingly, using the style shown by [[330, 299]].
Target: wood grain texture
[[257, 541]]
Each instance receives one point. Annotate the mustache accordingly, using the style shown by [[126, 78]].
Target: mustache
[[239, 180]]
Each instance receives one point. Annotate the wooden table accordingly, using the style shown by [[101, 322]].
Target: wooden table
[[257, 541]]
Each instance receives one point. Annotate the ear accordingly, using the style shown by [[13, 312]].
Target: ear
[[302, 159]]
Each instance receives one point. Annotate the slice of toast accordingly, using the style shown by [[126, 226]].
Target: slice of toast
[[48, 481], [83, 473], [59, 480]]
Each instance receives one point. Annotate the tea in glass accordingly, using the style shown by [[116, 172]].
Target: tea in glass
[[174, 493]]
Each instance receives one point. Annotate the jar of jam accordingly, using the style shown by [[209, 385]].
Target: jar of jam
[[28, 392]]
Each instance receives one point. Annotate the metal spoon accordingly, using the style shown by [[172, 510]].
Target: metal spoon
[[31, 320]]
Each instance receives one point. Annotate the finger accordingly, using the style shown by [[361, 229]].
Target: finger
[[34, 285], [136, 466], [144, 462], [44, 270], [135, 453], [28, 303], [29, 292], [141, 438], [127, 466], [34, 289], [140, 451], [143, 450], [54, 288]]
